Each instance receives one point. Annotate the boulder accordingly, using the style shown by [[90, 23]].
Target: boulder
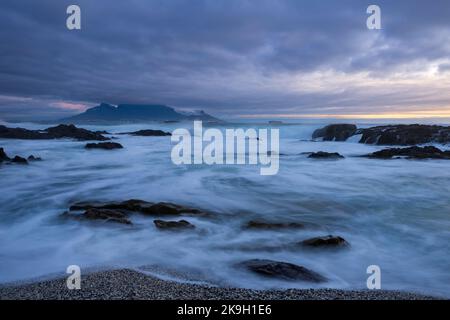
[[281, 270], [102, 214], [19, 160], [181, 224], [148, 133], [327, 241], [405, 134], [104, 145], [428, 152], [264, 225], [60, 131], [325, 155], [335, 132], [3, 155]]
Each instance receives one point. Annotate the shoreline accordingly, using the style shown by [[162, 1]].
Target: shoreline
[[127, 284]]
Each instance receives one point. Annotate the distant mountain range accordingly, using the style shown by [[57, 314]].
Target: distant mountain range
[[106, 113]]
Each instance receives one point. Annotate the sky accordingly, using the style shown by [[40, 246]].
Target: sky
[[232, 58]]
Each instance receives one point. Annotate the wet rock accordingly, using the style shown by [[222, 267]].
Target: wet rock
[[33, 158], [325, 155], [19, 160], [181, 224], [327, 241], [107, 215], [60, 131], [104, 145], [148, 133], [144, 207], [281, 270], [264, 225], [428, 152], [3, 156], [335, 132], [405, 134]]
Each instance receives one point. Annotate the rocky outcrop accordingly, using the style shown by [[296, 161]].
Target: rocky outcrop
[[104, 145], [335, 132], [142, 207], [281, 270], [327, 241], [171, 225], [33, 158], [3, 156], [405, 134], [60, 131], [325, 155], [415, 152], [107, 215], [264, 225], [19, 160], [148, 133]]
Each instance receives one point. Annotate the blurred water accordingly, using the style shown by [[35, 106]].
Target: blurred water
[[395, 214]]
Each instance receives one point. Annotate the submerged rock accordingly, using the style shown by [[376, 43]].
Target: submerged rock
[[325, 155], [415, 152], [181, 224], [281, 270], [405, 134], [33, 158], [104, 145], [148, 133], [255, 224], [60, 131], [327, 241], [102, 214], [19, 160], [335, 132]]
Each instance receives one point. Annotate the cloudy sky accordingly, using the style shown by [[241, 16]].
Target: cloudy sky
[[243, 58]]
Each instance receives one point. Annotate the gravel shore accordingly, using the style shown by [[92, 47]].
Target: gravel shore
[[129, 284]]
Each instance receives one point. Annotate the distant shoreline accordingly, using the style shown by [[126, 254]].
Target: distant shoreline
[[126, 284]]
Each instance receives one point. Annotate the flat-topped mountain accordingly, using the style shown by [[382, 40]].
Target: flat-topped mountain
[[135, 113]]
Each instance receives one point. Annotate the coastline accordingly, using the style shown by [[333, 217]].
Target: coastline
[[127, 284]]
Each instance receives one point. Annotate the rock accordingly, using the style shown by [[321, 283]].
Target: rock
[[281, 270], [327, 241], [33, 158], [144, 207], [148, 133], [335, 132], [255, 224], [3, 156], [182, 224], [60, 131], [405, 134], [104, 145], [325, 155], [102, 214], [428, 152], [19, 160]]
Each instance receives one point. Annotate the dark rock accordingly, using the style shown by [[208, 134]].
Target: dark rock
[[33, 158], [415, 152], [255, 224], [405, 134], [3, 156], [327, 241], [325, 155], [19, 160], [102, 214], [182, 224], [148, 133], [144, 207], [104, 145], [282, 270], [335, 132], [60, 131]]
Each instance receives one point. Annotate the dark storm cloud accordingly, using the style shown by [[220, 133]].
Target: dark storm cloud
[[226, 57]]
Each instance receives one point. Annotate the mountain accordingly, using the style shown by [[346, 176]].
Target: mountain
[[106, 113]]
